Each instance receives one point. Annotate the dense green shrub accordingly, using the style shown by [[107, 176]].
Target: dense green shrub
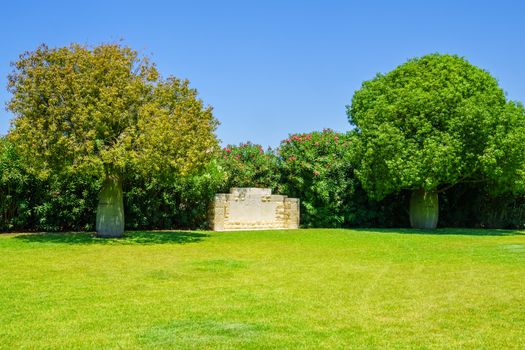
[[16, 193], [501, 211], [179, 202], [69, 204], [315, 167], [248, 165], [318, 168], [28, 203], [66, 203], [472, 205]]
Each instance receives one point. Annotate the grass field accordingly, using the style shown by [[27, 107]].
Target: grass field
[[300, 289]]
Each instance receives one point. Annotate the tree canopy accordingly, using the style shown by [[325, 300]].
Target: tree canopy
[[105, 111], [434, 122]]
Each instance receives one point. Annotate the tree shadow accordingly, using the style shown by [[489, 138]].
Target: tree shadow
[[130, 237], [444, 231]]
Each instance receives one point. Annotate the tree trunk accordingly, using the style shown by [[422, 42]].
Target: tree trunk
[[110, 211], [424, 209]]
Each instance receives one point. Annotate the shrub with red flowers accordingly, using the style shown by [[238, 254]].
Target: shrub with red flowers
[[318, 168], [249, 165]]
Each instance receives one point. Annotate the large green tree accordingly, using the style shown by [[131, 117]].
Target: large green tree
[[103, 111], [432, 123]]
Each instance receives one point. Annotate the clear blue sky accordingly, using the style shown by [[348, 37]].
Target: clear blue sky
[[270, 68]]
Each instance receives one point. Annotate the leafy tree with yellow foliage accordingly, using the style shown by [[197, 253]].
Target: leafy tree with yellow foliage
[[105, 111]]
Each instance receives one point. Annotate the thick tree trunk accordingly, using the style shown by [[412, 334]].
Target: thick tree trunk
[[424, 209], [110, 211]]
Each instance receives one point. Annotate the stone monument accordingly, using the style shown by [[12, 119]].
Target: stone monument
[[246, 208]]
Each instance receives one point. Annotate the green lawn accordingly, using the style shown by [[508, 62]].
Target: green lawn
[[300, 289]]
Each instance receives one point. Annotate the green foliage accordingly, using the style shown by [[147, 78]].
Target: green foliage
[[181, 202], [15, 186], [69, 202], [434, 122], [104, 112], [472, 205], [83, 114], [65, 203], [248, 165], [101, 110], [318, 168], [57, 203]]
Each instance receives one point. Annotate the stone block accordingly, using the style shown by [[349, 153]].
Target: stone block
[[246, 208]]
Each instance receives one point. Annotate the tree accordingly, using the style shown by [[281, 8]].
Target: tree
[[432, 123], [103, 111]]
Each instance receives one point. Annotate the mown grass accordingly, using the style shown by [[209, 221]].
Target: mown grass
[[300, 289]]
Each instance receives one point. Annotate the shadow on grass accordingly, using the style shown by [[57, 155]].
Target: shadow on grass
[[444, 231], [130, 237]]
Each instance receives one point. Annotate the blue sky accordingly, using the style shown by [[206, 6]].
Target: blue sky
[[270, 68]]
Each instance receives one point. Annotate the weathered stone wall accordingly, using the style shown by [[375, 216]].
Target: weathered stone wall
[[253, 209]]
